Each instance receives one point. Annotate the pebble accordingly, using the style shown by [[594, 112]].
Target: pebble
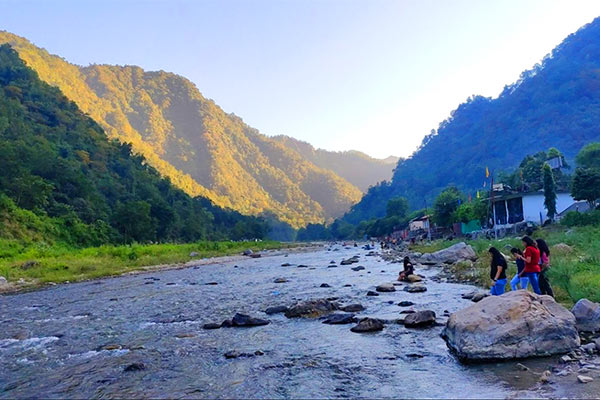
[[584, 379]]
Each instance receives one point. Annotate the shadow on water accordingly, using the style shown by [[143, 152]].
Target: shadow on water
[[77, 340]]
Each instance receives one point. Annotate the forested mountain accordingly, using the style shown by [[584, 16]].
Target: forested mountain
[[62, 179], [354, 166], [555, 104], [191, 140]]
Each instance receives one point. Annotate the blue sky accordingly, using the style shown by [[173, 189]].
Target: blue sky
[[373, 75]]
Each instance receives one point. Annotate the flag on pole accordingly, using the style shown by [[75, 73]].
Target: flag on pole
[[487, 172]]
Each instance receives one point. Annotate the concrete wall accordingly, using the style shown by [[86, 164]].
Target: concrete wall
[[534, 203]]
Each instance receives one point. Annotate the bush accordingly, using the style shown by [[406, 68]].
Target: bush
[[575, 218]]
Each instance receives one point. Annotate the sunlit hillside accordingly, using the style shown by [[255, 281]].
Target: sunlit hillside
[[191, 140]]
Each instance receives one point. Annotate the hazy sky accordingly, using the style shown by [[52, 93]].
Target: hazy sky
[[369, 75]]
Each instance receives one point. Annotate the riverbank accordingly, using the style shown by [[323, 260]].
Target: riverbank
[[575, 260], [32, 267]]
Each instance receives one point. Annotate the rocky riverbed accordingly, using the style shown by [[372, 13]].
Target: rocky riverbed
[[203, 332]]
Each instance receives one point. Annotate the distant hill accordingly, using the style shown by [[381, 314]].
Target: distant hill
[[356, 167], [63, 180], [193, 142], [555, 104]]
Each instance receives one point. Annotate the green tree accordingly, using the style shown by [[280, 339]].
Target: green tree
[[586, 185], [445, 206], [476, 210], [589, 156], [134, 222], [549, 191], [397, 207]]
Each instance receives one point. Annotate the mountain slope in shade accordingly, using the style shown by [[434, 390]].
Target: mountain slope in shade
[[356, 167], [555, 104], [191, 140]]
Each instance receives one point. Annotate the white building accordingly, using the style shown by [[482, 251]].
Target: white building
[[512, 208]]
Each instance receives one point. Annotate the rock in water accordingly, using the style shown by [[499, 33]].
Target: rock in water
[[368, 325], [372, 293], [420, 319], [386, 287], [325, 285], [286, 265], [517, 324], [248, 252], [584, 379], [353, 308], [280, 280], [587, 314], [340, 319], [359, 268], [415, 289], [243, 320], [137, 366], [414, 278], [477, 297], [406, 303], [311, 309], [211, 326], [276, 310], [458, 252]]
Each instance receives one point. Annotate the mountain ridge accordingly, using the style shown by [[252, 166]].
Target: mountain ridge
[[192, 141], [554, 104]]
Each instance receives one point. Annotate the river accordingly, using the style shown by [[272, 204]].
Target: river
[[75, 340]]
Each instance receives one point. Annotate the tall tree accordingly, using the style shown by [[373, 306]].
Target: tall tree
[[549, 191], [445, 206], [586, 185]]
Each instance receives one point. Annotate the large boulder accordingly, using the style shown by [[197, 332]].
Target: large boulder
[[518, 324], [458, 252], [311, 308], [587, 315]]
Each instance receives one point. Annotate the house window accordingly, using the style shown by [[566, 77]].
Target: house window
[[515, 210], [500, 208]]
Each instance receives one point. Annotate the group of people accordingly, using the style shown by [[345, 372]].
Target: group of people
[[532, 265]]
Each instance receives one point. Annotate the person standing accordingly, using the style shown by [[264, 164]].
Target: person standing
[[497, 272], [531, 256], [544, 262], [517, 279]]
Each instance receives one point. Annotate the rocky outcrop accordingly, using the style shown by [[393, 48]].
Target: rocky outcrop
[[517, 324], [587, 315], [455, 253], [311, 309]]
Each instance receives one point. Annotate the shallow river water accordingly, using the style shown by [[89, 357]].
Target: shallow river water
[[51, 341]]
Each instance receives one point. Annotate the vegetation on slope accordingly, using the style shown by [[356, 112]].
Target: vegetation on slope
[[189, 139], [556, 103], [62, 179]]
